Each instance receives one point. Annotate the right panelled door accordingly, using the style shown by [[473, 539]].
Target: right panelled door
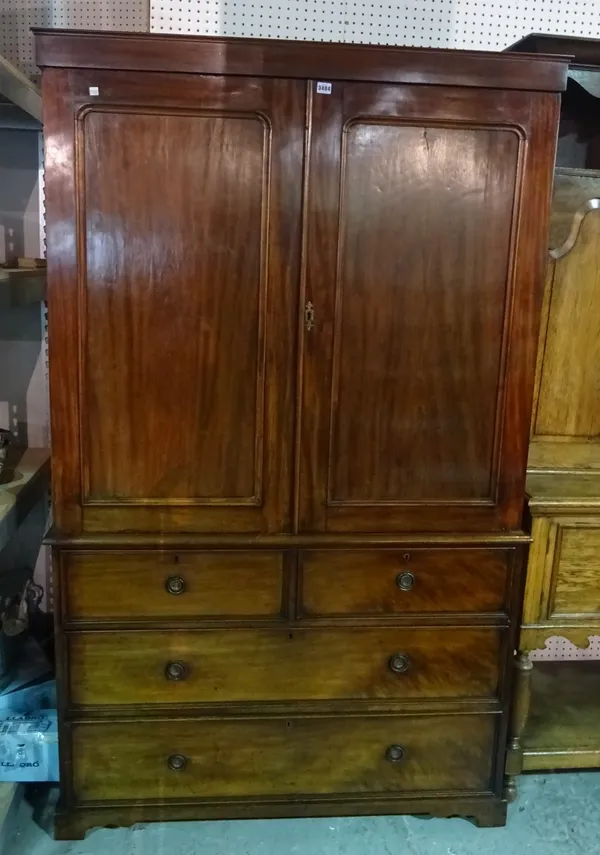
[[426, 218]]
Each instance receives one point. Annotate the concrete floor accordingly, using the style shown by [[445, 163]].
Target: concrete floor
[[555, 815]]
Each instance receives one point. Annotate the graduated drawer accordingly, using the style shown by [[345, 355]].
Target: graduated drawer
[[176, 667], [394, 581], [129, 585], [275, 757]]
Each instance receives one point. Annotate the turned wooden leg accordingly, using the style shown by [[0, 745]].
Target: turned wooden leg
[[518, 720]]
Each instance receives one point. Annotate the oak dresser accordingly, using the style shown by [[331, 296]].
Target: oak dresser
[[558, 703], [294, 298]]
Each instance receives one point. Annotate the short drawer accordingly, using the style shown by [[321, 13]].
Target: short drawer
[[200, 666], [389, 581], [292, 756], [122, 585]]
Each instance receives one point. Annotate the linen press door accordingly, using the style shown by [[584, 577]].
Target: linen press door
[[172, 326], [423, 275]]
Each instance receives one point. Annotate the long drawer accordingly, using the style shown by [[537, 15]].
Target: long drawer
[[137, 584], [175, 667], [270, 757], [391, 581]]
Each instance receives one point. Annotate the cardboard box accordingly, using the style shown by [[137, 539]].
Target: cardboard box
[[29, 747]]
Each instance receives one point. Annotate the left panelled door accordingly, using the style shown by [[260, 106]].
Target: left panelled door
[[174, 204]]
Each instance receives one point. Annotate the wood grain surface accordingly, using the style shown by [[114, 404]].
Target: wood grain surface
[[291, 756], [388, 582], [134, 585], [303, 59], [420, 366], [576, 577], [109, 668], [182, 298], [292, 342]]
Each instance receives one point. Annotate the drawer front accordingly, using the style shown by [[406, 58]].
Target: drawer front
[[174, 667], [271, 757], [382, 582], [576, 573], [147, 584]]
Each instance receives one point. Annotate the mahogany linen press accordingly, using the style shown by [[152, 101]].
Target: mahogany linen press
[[294, 299]]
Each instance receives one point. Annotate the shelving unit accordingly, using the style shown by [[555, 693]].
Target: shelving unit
[[28, 470], [20, 99], [20, 110], [562, 730], [21, 287]]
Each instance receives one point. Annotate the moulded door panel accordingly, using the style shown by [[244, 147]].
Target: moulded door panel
[[179, 305], [424, 270]]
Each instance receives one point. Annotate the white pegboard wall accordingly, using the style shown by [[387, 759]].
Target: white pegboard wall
[[559, 648], [17, 17], [475, 24]]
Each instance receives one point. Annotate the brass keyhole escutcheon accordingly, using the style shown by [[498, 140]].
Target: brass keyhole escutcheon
[[309, 316]]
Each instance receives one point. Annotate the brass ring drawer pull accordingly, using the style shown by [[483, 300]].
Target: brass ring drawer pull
[[395, 754], [176, 671], [175, 585], [177, 762], [399, 663], [405, 580]]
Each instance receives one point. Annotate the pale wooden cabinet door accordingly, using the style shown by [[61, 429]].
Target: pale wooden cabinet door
[[173, 300], [565, 430], [422, 290]]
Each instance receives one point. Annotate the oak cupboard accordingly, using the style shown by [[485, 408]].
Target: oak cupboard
[[558, 703], [293, 332]]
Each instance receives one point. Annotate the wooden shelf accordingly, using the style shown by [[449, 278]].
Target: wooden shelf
[[29, 471], [563, 729], [17, 89], [20, 287]]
